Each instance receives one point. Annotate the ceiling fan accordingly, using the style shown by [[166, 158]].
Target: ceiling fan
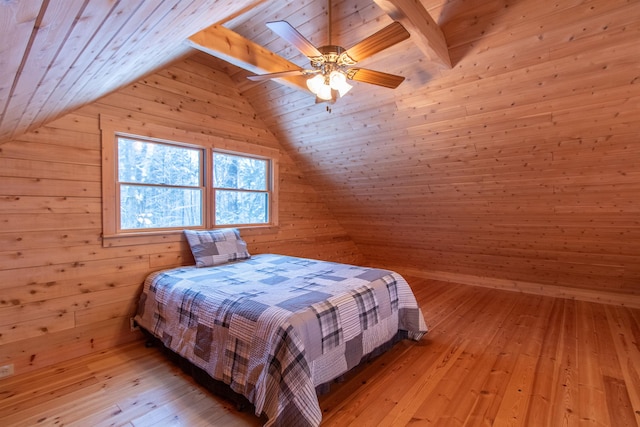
[[332, 65]]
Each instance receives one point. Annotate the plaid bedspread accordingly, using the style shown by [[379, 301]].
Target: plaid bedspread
[[274, 327]]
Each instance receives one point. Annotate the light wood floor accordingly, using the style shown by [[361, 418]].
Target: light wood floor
[[491, 358]]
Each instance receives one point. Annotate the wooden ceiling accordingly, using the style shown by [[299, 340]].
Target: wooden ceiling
[[59, 55], [518, 162]]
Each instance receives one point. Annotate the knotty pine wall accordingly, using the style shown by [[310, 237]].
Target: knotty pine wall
[[516, 168], [62, 293]]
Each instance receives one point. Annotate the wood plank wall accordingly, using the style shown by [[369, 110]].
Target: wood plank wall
[[519, 164], [62, 293]]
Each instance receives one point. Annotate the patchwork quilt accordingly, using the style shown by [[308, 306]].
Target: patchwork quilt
[[274, 327]]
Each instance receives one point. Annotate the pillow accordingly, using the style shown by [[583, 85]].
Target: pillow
[[215, 247]]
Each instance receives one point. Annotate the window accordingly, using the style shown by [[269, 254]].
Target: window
[[159, 185], [159, 180], [241, 189]]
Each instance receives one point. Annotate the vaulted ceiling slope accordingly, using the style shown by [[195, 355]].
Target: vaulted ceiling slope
[[518, 163], [59, 55]]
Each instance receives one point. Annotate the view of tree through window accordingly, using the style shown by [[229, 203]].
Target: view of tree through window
[[241, 186], [160, 185], [170, 179]]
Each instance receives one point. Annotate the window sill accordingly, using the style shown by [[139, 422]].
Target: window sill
[[172, 236]]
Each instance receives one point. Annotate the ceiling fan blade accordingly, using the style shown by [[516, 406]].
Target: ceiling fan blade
[[261, 77], [386, 37], [374, 77], [290, 34]]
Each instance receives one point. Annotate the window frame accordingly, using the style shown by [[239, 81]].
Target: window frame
[[118, 184], [269, 190], [111, 128]]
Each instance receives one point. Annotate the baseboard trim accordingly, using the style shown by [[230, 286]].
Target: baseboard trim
[[625, 300]]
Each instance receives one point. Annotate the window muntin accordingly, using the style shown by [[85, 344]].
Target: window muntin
[[159, 185], [242, 189]]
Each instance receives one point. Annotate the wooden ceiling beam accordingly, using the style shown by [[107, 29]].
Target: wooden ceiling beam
[[237, 50], [425, 32]]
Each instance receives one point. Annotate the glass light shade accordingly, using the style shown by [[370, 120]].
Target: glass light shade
[[315, 83], [324, 92], [338, 82]]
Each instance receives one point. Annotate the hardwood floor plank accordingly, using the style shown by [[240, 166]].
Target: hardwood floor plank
[[469, 391], [592, 405], [491, 358], [424, 385], [59, 409], [547, 371], [513, 407], [617, 399], [564, 406], [498, 396], [626, 338]]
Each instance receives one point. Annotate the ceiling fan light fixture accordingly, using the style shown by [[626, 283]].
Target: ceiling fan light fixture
[[315, 83], [320, 87], [323, 86], [325, 92], [332, 65], [338, 81]]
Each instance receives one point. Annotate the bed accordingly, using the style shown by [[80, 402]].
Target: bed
[[275, 328]]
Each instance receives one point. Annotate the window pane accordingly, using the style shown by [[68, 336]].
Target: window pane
[[245, 173], [159, 207], [146, 162], [239, 207]]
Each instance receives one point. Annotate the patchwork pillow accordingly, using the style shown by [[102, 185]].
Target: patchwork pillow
[[215, 247]]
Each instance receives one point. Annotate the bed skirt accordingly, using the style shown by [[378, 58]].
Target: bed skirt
[[241, 403]]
